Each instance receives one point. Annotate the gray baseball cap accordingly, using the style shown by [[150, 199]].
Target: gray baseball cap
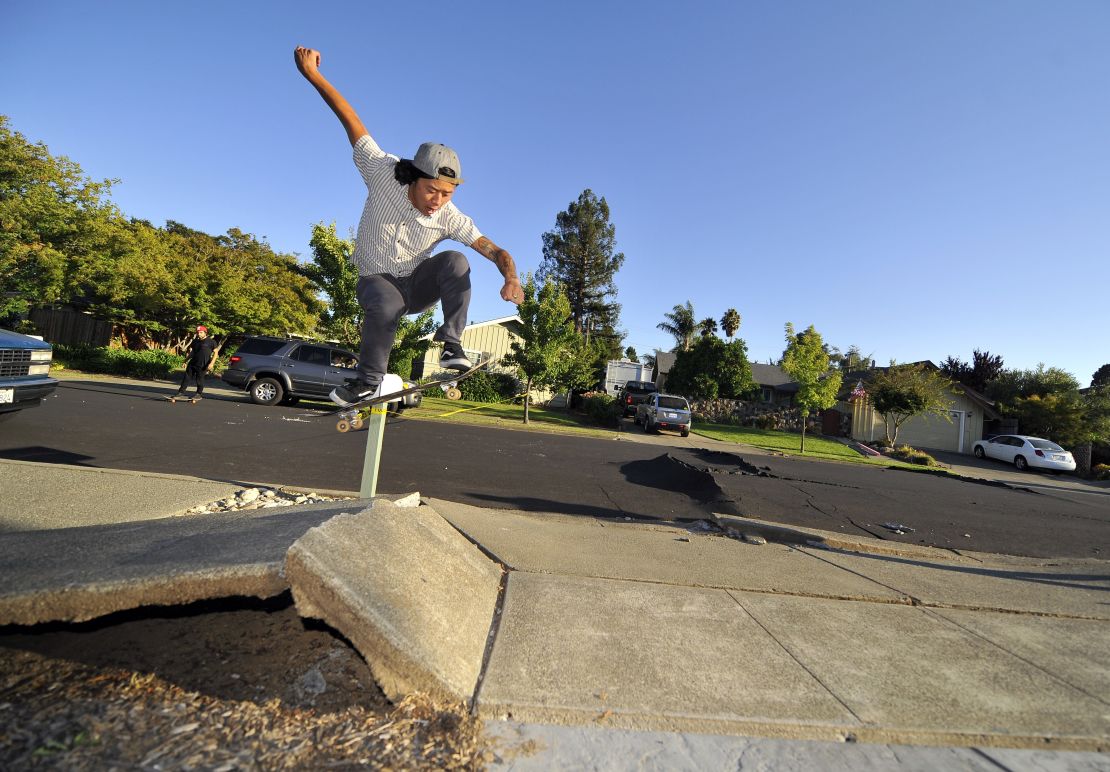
[[439, 162]]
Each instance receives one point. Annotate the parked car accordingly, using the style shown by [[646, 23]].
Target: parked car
[[24, 372], [665, 411], [633, 393], [1024, 452], [276, 370]]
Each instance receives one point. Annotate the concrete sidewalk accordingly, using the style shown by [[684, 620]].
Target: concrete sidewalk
[[626, 627]]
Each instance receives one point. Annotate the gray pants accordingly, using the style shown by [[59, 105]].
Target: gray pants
[[385, 299]]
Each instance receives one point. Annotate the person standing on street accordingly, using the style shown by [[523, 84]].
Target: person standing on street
[[407, 214], [201, 358]]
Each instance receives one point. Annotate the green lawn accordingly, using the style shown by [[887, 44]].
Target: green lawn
[[505, 416], [788, 442]]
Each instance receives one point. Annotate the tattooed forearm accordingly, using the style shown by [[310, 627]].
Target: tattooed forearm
[[500, 257]]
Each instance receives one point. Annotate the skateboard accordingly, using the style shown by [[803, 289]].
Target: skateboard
[[353, 416], [175, 399]]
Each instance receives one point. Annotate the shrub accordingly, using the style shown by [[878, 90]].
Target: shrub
[[1101, 471], [913, 456], [485, 386], [602, 408], [154, 363]]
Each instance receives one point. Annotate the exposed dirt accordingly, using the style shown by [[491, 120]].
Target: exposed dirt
[[219, 685]]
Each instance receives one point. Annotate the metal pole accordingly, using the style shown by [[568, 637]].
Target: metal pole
[[375, 434]]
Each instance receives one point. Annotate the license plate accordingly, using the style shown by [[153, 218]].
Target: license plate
[[672, 415], [7, 395]]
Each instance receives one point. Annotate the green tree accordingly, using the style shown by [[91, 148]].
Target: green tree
[[548, 337], [807, 362], [903, 391], [52, 217], [630, 354], [681, 325], [336, 277], [707, 326], [730, 322], [1101, 376], [711, 368], [580, 255], [410, 343], [851, 360], [983, 369]]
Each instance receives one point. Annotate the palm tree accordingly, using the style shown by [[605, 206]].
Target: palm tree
[[680, 323], [730, 322], [707, 326]]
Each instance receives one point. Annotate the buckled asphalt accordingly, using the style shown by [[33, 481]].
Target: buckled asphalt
[[613, 644]]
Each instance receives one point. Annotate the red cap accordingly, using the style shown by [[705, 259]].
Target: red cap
[[201, 327]]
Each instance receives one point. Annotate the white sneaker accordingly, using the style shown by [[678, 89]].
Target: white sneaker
[[357, 390]]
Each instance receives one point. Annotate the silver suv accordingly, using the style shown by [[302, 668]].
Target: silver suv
[[276, 370]]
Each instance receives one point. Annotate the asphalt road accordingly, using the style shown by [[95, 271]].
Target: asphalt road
[[130, 426]]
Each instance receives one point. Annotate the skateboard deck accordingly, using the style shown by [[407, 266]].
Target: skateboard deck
[[175, 399], [352, 416]]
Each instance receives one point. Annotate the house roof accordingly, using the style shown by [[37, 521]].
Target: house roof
[[770, 375], [854, 377], [474, 325], [664, 361]]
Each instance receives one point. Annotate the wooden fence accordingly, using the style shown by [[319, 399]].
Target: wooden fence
[[71, 328]]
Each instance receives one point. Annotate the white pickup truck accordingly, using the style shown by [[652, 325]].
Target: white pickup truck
[[665, 411]]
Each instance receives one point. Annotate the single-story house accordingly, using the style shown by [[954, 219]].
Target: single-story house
[[482, 342], [956, 432], [775, 386]]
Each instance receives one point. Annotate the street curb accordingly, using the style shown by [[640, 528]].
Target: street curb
[[740, 526]]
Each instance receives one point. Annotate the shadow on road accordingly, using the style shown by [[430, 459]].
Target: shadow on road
[[45, 455], [1081, 581]]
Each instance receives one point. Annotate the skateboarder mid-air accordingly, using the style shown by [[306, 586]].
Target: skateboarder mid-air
[[408, 212]]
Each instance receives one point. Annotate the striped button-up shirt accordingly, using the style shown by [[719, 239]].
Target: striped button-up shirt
[[393, 236]]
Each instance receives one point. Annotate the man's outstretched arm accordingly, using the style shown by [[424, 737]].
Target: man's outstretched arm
[[308, 62], [511, 291]]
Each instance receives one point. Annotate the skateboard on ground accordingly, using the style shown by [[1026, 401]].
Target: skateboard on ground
[[174, 399], [353, 416]]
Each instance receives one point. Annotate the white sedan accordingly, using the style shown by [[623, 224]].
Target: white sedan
[[1024, 452]]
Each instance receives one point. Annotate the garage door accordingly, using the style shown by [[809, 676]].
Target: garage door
[[931, 432]]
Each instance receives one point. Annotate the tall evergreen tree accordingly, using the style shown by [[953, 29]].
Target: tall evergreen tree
[[579, 255]]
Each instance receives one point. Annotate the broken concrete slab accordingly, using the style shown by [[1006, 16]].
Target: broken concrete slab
[[408, 590], [908, 672], [64, 496], [565, 544], [1076, 589], [77, 574], [647, 656]]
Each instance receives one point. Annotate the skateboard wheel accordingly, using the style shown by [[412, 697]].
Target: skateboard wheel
[[356, 422], [453, 393], [343, 425]]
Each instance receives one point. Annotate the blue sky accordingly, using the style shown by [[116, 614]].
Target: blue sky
[[919, 179]]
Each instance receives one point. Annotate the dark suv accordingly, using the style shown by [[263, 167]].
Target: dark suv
[[24, 372], [633, 393], [275, 370]]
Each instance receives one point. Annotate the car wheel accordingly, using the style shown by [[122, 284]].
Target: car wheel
[[1021, 463], [636, 419], [978, 452], [266, 391], [685, 432]]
